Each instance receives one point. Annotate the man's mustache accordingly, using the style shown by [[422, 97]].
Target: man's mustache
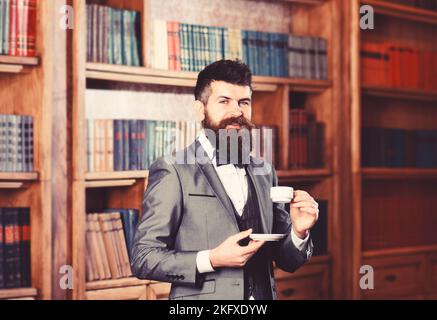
[[241, 120]]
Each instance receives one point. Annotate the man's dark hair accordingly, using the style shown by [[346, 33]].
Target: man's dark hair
[[231, 71]]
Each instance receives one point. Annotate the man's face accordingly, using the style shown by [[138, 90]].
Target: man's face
[[229, 106]]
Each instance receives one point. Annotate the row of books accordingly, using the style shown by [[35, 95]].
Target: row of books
[[18, 27], [120, 145], [15, 247], [387, 147], [16, 143], [189, 47], [307, 139], [393, 65], [424, 4], [113, 35], [109, 239]]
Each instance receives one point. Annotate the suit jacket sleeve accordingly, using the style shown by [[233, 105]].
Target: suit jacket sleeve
[[153, 254], [286, 256]]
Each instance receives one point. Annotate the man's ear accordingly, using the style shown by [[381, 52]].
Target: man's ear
[[200, 110]]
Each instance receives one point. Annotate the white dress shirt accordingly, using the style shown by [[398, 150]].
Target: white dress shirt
[[234, 181]]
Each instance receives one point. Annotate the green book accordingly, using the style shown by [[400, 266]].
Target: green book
[[2, 23], [135, 38], [127, 43], [7, 6], [117, 35], [110, 36]]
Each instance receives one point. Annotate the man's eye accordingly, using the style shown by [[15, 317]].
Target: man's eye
[[224, 101], [244, 103]]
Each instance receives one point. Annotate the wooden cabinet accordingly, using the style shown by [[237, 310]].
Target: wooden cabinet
[[397, 277], [311, 282]]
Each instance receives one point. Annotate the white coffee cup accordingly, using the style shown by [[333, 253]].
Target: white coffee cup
[[281, 194]]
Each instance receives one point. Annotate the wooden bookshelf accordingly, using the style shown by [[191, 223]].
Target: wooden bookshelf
[[273, 97], [32, 93], [20, 293], [399, 93], [399, 173], [303, 175], [120, 73], [11, 64], [403, 12], [387, 198]]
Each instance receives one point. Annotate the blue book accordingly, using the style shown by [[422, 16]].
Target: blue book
[[151, 124], [118, 145], [283, 70], [426, 156], [245, 45], [133, 145], [135, 35]]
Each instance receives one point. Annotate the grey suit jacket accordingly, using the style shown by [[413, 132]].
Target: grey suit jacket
[[186, 210]]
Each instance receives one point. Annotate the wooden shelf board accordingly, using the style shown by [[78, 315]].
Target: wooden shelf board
[[403, 11], [18, 293], [400, 93], [10, 68], [25, 61], [114, 175], [399, 251], [18, 176], [110, 72], [398, 173], [110, 183], [303, 174], [115, 283]]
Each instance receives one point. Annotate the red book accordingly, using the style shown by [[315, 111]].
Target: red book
[[384, 64], [31, 27], [13, 28], [414, 68], [177, 46], [394, 65], [170, 45], [23, 27]]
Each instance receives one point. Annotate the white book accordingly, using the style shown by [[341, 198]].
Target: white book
[[160, 45]]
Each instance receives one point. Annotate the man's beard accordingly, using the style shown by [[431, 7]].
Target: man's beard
[[224, 137]]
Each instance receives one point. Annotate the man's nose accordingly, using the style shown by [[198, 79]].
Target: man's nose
[[236, 110]]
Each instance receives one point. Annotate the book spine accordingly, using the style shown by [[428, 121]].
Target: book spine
[[12, 263], [184, 46], [177, 46], [2, 24], [25, 232], [88, 32], [170, 44], [30, 33], [126, 145], [104, 34], [133, 145], [29, 143], [118, 145], [127, 42], [14, 143], [6, 28], [13, 28], [135, 36], [19, 144], [2, 143], [2, 248]]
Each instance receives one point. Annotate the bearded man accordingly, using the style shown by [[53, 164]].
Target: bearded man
[[197, 216]]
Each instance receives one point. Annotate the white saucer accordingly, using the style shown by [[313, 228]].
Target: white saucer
[[267, 237]]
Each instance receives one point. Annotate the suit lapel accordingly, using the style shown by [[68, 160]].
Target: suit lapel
[[216, 185], [262, 194]]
